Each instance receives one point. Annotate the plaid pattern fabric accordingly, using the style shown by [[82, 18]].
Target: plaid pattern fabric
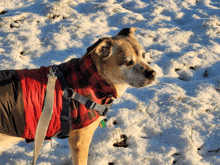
[[84, 79], [82, 76]]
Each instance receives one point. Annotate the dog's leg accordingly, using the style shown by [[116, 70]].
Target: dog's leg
[[7, 141], [79, 141]]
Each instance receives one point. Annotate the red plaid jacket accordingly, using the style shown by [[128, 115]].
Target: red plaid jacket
[[82, 76]]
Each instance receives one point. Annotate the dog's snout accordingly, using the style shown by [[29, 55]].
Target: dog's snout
[[149, 74]]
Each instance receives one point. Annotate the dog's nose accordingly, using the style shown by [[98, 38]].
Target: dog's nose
[[149, 74]]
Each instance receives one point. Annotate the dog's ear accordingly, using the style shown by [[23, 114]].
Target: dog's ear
[[102, 48], [127, 31]]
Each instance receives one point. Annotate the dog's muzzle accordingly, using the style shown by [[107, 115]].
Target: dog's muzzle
[[150, 74]]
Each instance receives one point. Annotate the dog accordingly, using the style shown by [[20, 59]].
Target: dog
[[110, 66]]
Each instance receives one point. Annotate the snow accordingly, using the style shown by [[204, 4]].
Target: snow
[[173, 121]]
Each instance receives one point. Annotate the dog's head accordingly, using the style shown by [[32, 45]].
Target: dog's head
[[120, 60]]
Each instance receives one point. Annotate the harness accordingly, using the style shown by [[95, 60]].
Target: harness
[[68, 95]]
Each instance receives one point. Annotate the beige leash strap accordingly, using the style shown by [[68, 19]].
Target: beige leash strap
[[45, 118]]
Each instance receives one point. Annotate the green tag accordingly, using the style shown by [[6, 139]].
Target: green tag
[[102, 124]]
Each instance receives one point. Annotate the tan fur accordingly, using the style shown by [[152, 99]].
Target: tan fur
[[119, 61], [79, 141], [7, 141]]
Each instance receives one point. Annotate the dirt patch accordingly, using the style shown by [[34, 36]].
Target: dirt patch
[[3, 12], [122, 143]]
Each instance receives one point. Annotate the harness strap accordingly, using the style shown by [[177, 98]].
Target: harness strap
[[65, 116], [45, 118], [89, 104]]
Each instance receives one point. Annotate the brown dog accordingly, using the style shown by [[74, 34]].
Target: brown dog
[[119, 61]]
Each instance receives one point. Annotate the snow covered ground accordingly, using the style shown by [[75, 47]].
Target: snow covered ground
[[176, 120]]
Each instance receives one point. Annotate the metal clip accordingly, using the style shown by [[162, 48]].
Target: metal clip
[[52, 71], [68, 93]]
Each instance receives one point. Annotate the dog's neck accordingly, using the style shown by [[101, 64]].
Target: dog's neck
[[120, 89], [89, 70], [119, 86]]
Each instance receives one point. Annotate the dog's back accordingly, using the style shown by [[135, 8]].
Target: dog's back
[[11, 114], [11, 104]]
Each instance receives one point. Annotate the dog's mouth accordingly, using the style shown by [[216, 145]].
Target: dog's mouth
[[142, 84]]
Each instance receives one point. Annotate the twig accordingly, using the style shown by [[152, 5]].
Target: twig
[[154, 4], [216, 150], [163, 102], [147, 109], [216, 107], [131, 125]]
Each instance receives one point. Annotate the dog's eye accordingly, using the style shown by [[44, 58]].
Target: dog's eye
[[129, 63], [143, 55]]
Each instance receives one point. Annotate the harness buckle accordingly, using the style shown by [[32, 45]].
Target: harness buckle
[[54, 68], [105, 112], [90, 104]]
